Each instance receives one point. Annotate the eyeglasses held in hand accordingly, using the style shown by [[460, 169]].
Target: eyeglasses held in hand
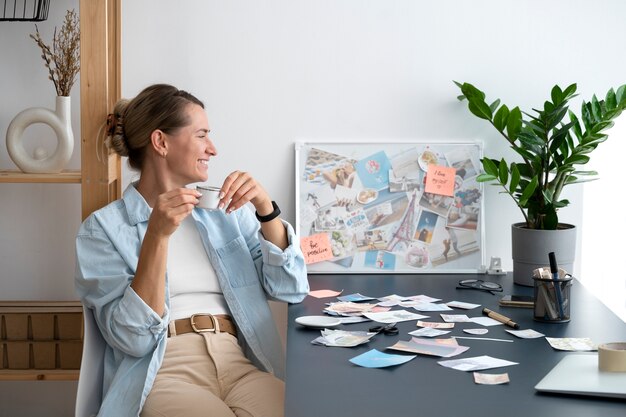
[[390, 329], [479, 284]]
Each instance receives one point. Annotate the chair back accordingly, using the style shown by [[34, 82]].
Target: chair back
[[89, 394]]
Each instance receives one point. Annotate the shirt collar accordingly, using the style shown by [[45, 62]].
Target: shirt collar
[[137, 209]]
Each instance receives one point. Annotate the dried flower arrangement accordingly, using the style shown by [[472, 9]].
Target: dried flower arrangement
[[63, 60]]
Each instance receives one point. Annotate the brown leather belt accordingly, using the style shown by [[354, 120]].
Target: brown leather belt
[[201, 323]]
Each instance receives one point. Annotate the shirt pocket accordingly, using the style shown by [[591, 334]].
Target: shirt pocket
[[238, 264]]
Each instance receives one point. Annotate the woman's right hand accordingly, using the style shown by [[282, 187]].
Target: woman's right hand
[[170, 210]]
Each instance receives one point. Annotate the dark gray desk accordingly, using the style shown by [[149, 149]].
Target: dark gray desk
[[321, 382]]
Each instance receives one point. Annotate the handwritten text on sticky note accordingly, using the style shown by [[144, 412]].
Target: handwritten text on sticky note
[[316, 248], [440, 180]]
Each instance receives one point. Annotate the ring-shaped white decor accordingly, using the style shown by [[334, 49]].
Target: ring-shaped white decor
[[59, 120]]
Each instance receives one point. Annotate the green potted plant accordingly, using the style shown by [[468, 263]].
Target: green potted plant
[[552, 149]]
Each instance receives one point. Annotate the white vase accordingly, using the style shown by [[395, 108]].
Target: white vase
[[59, 120]]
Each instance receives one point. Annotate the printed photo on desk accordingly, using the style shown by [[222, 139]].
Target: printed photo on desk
[[390, 207]]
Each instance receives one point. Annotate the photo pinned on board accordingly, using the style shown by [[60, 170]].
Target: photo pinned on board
[[371, 240], [426, 226], [417, 256], [405, 183], [462, 161], [465, 211], [380, 260]]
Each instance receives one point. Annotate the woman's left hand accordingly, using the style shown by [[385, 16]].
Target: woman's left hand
[[239, 188]]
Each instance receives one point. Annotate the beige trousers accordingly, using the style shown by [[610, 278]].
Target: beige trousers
[[207, 375]]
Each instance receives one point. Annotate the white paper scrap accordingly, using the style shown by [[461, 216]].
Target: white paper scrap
[[455, 318], [394, 316], [526, 334], [485, 321], [428, 332], [476, 363], [462, 305]]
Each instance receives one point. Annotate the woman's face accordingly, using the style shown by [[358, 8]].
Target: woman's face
[[189, 149]]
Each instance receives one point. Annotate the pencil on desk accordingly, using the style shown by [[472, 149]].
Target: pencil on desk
[[501, 318]]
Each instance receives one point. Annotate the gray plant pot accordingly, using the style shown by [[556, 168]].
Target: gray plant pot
[[531, 248]]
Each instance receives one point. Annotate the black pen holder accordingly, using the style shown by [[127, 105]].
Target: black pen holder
[[552, 296]]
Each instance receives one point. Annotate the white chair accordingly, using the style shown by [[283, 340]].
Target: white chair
[[89, 393]]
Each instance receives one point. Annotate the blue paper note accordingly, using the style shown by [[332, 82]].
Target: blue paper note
[[355, 297], [377, 359]]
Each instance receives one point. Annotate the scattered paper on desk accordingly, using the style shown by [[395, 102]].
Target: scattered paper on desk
[[393, 297], [393, 316], [485, 321], [342, 338], [572, 343], [423, 299], [377, 359], [476, 331], [491, 379], [428, 347], [348, 307], [477, 363], [428, 332], [455, 318], [462, 305], [355, 297], [435, 325], [431, 307], [526, 334], [324, 293], [353, 319], [389, 303]]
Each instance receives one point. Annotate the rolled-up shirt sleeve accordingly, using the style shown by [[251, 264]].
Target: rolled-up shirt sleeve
[[103, 277], [282, 272]]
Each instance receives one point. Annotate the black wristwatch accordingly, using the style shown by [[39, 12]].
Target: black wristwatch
[[269, 217]]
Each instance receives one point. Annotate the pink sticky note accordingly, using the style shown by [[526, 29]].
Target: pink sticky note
[[324, 293], [316, 248], [440, 180]]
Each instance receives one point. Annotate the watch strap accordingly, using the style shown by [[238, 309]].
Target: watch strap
[[269, 217]]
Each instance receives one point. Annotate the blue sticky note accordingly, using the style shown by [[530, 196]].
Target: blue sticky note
[[377, 359]]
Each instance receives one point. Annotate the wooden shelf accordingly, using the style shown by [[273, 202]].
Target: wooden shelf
[[64, 177], [39, 374]]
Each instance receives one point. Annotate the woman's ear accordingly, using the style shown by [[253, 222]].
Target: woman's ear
[[159, 143]]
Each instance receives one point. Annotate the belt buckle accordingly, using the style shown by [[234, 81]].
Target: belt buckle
[[216, 326]]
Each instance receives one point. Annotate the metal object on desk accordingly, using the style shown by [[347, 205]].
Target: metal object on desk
[[552, 296]]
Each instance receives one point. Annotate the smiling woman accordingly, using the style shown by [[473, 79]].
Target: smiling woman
[[180, 290]]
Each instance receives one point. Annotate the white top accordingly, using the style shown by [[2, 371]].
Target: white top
[[194, 287]]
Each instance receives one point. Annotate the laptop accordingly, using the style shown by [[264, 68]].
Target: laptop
[[579, 374]]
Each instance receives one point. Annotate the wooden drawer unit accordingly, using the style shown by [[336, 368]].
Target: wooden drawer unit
[[41, 334]]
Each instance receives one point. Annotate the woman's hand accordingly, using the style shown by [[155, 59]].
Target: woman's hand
[[170, 210], [239, 188]]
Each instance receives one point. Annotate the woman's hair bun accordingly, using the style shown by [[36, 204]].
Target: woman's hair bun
[[116, 138]]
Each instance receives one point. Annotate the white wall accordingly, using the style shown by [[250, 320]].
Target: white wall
[[274, 71]]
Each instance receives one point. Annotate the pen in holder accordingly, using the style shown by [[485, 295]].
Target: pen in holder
[[552, 295]]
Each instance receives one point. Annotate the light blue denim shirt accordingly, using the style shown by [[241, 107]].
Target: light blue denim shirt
[[249, 269]]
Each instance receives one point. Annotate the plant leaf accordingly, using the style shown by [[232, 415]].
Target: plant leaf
[[480, 109], [528, 191], [503, 172], [611, 100], [515, 177], [485, 178], [490, 167], [501, 117], [493, 106], [514, 123], [556, 94]]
